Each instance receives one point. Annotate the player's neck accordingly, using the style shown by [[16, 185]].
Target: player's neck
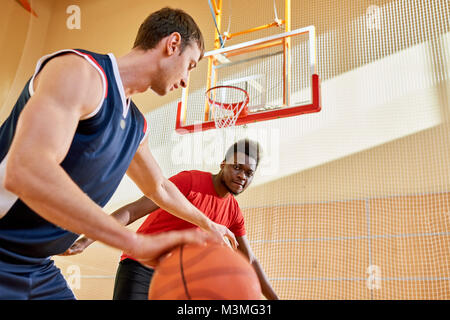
[[135, 78], [221, 190]]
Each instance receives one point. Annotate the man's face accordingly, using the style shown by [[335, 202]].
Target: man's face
[[176, 68], [238, 172]]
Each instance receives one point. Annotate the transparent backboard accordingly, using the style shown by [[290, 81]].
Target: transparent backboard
[[278, 72]]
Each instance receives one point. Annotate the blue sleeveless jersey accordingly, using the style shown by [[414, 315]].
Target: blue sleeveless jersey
[[101, 151]]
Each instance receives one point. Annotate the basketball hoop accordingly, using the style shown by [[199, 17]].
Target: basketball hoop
[[226, 113]]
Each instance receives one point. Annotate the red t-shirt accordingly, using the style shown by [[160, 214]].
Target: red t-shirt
[[198, 188]]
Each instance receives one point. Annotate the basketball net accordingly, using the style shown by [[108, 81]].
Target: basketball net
[[227, 103]]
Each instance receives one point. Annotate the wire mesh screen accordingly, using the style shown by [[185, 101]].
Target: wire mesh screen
[[238, 16], [352, 202], [262, 72]]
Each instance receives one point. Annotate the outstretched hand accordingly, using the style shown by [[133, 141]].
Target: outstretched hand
[[77, 247], [222, 232], [151, 248]]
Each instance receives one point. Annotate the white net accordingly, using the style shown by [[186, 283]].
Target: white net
[[227, 103]]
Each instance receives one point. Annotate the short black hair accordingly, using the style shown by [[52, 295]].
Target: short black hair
[[249, 147]]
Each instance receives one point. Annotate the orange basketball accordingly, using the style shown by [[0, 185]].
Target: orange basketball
[[211, 272]]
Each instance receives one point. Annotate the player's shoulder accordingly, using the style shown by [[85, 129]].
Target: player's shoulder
[[200, 176], [182, 177], [71, 69], [71, 61], [74, 76], [234, 204], [195, 178], [234, 201], [194, 173], [199, 173]]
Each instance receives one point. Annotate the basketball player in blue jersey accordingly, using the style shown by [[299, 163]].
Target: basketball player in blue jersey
[[70, 138]]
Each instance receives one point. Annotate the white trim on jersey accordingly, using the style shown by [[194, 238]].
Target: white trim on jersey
[[125, 101], [7, 199], [81, 54]]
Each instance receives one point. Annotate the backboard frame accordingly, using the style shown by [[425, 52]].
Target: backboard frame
[[286, 110]]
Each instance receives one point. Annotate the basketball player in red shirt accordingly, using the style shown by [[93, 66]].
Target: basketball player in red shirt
[[213, 195]]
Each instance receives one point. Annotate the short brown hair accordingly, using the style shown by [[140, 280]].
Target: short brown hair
[[163, 23]]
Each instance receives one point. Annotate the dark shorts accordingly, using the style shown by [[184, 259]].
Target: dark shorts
[[33, 282], [132, 281]]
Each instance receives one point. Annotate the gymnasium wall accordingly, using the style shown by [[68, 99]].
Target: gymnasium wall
[[22, 39], [349, 203]]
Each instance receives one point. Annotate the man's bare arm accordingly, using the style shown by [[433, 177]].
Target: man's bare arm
[[124, 215], [267, 290]]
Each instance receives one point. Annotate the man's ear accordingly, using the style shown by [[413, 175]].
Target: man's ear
[[173, 42], [222, 164]]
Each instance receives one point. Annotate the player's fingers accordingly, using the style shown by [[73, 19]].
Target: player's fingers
[[172, 239], [68, 252], [76, 248], [191, 237], [215, 235], [205, 237], [218, 235], [232, 239]]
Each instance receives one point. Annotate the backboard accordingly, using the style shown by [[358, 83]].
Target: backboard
[[278, 72]]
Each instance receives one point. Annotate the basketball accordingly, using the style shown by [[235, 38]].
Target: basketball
[[211, 272]]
